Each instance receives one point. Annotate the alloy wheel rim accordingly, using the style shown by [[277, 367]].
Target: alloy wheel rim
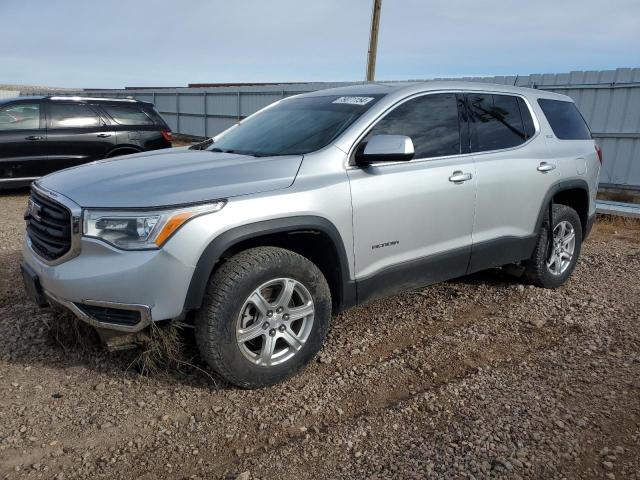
[[561, 252], [275, 322]]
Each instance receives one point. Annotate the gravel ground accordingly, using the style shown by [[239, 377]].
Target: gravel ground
[[474, 378]]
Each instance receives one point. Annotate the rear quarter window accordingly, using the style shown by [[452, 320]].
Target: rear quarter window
[[127, 114], [155, 115], [565, 119]]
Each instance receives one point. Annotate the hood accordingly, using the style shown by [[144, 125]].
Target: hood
[[171, 177]]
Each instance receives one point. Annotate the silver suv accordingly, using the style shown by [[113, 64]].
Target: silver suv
[[314, 204]]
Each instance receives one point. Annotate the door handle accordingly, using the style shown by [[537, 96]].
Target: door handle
[[458, 177], [33, 137], [103, 135], [545, 167]]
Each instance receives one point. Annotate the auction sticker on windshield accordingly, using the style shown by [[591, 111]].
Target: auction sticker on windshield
[[353, 100]]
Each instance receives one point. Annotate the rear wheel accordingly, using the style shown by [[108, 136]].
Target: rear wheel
[[553, 261], [265, 315]]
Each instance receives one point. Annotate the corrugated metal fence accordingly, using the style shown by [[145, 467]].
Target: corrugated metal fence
[[609, 100], [205, 112], [9, 93], [610, 103]]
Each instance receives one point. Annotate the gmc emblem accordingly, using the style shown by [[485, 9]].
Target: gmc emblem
[[33, 210]]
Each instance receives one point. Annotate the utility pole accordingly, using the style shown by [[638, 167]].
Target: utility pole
[[373, 40]]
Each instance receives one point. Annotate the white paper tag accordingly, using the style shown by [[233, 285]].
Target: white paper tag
[[353, 100]]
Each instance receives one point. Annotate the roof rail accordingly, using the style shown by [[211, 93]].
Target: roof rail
[[76, 98]]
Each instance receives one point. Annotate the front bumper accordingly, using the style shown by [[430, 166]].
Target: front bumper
[[153, 283], [143, 311]]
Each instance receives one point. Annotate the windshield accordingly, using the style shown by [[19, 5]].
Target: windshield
[[296, 126]]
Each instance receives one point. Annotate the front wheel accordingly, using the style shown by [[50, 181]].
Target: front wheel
[[553, 261], [265, 315]]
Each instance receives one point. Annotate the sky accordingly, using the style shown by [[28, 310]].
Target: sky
[[117, 43]]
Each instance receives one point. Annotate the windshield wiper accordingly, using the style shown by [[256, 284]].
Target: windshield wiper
[[202, 145], [259, 154], [246, 152], [238, 152]]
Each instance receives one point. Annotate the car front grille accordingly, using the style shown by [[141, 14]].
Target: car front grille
[[48, 226]]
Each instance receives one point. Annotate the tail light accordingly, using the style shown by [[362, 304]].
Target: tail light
[[166, 134], [599, 152]]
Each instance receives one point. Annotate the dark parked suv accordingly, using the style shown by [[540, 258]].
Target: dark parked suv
[[39, 135]]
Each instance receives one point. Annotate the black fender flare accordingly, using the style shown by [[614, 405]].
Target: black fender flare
[[556, 188], [220, 244]]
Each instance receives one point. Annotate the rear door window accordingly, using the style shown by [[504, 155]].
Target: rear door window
[[527, 120], [497, 122], [20, 116], [431, 121], [72, 115], [127, 114], [565, 119]]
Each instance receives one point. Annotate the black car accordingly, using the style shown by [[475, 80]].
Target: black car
[[39, 135]]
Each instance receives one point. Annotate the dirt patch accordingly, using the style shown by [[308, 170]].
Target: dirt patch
[[183, 141], [619, 195], [478, 377]]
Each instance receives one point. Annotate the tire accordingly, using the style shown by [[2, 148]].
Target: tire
[[537, 268], [232, 311]]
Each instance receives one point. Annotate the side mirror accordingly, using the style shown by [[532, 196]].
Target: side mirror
[[386, 148]]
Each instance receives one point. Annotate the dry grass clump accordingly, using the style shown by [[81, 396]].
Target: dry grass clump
[[65, 330], [607, 226], [162, 350], [618, 221]]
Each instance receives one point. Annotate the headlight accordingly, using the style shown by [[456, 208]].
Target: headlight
[[141, 230]]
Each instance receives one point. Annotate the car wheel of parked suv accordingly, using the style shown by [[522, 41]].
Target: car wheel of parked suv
[[264, 316], [553, 262]]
